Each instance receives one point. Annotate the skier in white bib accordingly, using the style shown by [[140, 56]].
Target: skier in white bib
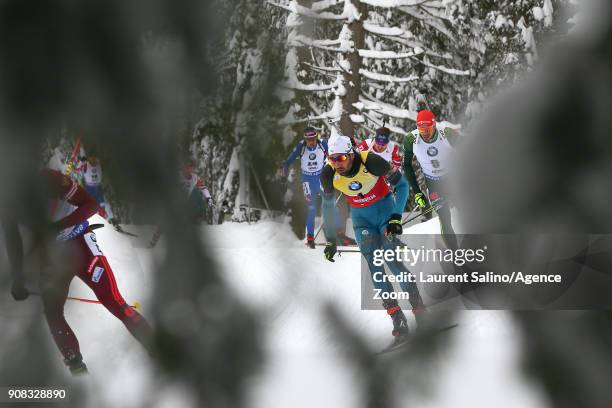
[[91, 173], [432, 147]]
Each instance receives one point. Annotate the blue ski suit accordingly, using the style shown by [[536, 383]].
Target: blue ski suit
[[312, 160]]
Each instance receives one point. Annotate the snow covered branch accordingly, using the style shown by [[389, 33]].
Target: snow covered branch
[[386, 78], [298, 40], [387, 54], [394, 3], [432, 22], [305, 11], [442, 68], [386, 108], [324, 4], [380, 30]]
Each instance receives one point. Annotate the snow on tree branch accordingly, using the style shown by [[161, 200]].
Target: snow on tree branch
[[294, 7], [432, 22], [324, 4], [394, 3], [386, 78], [380, 30], [376, 120], [298, 40], [442, 68], [418, 46], [324, 69], [292, 81], [374, 54], [386, 108]]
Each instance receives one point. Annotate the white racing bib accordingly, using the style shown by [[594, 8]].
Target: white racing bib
[[93, 175], [433, 157], [313, 161]]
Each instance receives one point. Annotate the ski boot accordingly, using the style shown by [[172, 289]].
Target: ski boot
[[343, 240], [76, 365], [418, 307], [310, 243], [400, 324]]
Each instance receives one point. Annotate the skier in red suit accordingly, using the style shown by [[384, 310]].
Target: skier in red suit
[[79, 255]]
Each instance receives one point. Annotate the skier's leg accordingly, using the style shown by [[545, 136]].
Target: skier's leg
[[54, 285], [439, 202], [109, 212], [398, 269], [369, 240], [99, 276], [310, 193]]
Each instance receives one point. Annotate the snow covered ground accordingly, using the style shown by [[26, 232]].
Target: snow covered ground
[[286, 283]]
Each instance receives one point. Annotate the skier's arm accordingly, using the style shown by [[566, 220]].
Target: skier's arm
[[377, 165], [402, 191], [329, 203], [294, 155], [396, 157], [202, 187], [62, 187], [408, 170]]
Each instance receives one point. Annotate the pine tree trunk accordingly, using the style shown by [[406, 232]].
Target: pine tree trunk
[[352, 81]]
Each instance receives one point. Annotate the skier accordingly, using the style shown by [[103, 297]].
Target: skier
[[312, 153], [431, 145], [91, 173], [390, 151], [75, 253], [198, 196], [376, 216]]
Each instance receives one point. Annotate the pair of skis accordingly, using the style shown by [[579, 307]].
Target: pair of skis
[[409, 340]]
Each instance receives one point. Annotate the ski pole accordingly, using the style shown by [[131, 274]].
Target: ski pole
[[430, 209], [135, 305], [409, 214]]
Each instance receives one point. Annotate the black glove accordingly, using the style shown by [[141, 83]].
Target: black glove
[[394, 225], [330, 250], [19, 291]]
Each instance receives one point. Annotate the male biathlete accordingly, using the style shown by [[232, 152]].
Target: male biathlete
[[376, 216]]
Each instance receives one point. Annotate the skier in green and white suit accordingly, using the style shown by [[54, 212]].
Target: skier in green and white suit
[[432, 145]]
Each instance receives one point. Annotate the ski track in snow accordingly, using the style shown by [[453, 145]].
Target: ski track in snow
[[286, 284]]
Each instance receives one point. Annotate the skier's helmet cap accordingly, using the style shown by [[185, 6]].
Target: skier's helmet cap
[[425, 119], [310, 132], [340, 145], [382, 136]]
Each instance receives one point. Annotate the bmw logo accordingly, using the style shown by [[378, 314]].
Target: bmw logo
[[354, 186], [432, 151], [312, 156]]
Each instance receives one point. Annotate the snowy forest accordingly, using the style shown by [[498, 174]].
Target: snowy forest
[[363, 63], [279, 66]]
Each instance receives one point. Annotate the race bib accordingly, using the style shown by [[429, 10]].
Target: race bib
[[73, 232]]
